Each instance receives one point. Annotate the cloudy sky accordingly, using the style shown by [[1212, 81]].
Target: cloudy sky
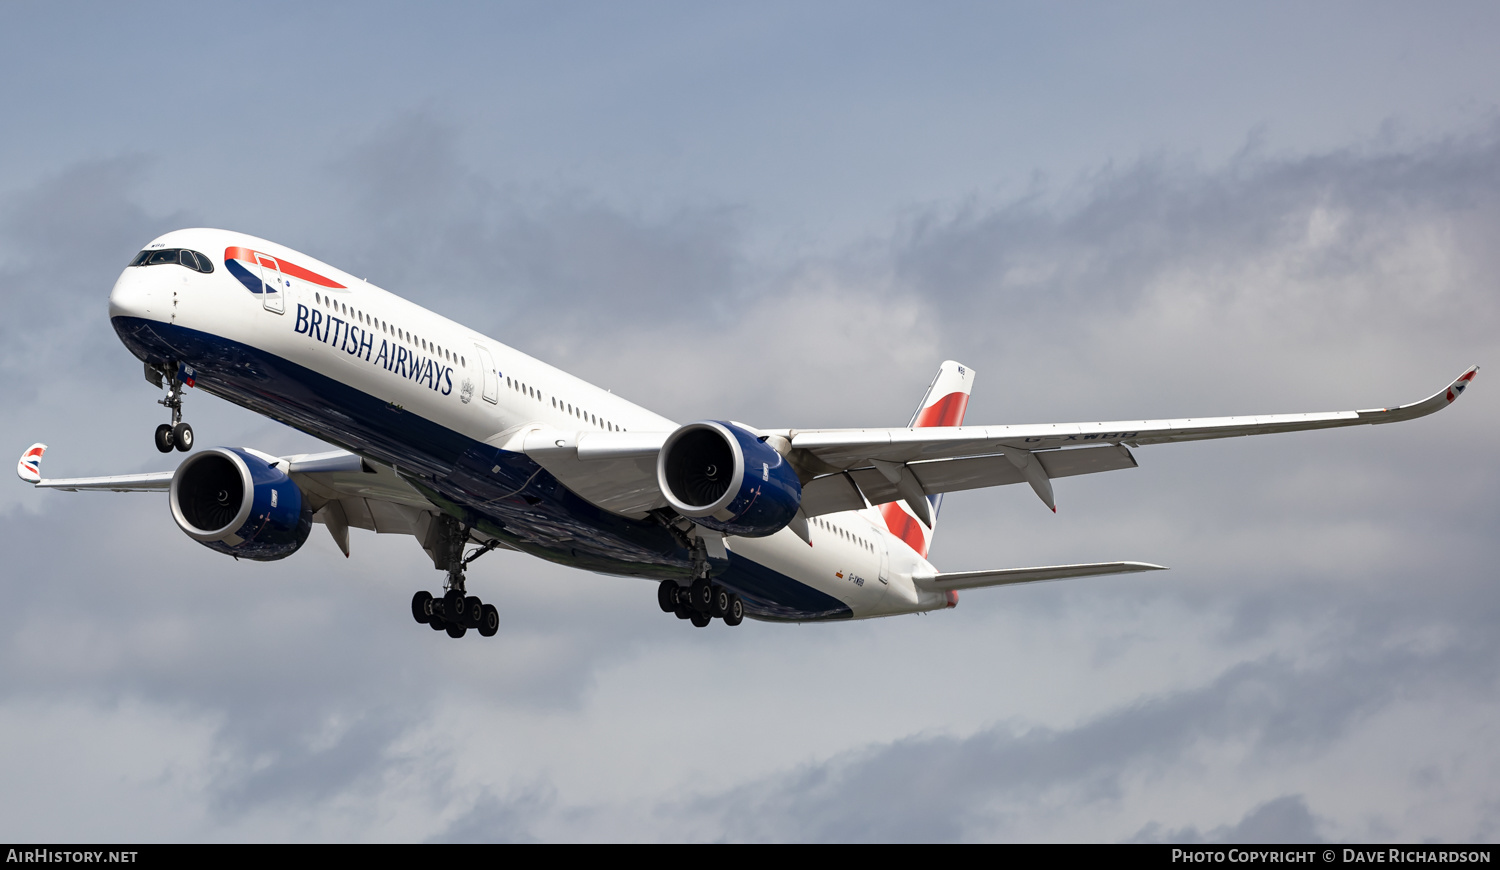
[[788, 214]]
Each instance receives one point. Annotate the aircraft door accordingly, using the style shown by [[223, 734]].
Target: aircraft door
[[272, 283], [885, 563], [491, 377]]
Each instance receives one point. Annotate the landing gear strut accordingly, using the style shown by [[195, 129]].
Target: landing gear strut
[[456, 611], [703, 600], [175, 434]]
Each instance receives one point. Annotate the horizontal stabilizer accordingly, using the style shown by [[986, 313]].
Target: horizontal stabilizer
[[1008, 576]]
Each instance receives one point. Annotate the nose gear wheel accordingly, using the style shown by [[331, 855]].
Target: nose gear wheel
[[176, 434]]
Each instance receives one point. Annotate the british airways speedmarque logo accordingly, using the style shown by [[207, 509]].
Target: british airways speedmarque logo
[[262, 273]]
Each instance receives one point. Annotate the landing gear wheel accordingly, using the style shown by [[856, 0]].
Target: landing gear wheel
[[684, 612], [702, 595], [421, 607], [734, 614], [720, 605], [437, 623], [701, 620], [453, 607], [164, 438], [473, 611], [666, 596], [489, 621], [182, 437], [457, 630]]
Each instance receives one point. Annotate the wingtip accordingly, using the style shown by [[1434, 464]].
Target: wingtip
[[29, 468]]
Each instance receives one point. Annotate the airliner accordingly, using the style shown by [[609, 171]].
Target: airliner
[[469, 446]]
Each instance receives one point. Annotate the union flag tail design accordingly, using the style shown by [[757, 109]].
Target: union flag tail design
[[944, 404], [29, 468]]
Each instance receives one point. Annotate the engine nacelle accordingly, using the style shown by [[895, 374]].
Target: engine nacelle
[[725, 478], [233, 501]]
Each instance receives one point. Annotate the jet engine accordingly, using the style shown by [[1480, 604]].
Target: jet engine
[[233, 501], [722, 476]]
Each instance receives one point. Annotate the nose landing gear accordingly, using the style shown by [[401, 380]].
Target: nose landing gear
[[175, 434]]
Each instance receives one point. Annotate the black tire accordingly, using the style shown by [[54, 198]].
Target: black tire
[[421, 607], [720, 604], [473, 611], [701, 620], [489, 621], [437, 623], [702, 595], [684, 612], [453, 606], [164, 438], [457, 630], [182, 437], [735, 613], [666, 596]]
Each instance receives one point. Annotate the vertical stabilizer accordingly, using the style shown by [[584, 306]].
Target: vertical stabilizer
[[914, 519]]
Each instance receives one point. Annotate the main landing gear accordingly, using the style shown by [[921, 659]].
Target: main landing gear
[[175, 434], [456, 611], [701, 602]]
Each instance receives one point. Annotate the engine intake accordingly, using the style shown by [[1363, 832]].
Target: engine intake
[[724, 477], [232, 501]]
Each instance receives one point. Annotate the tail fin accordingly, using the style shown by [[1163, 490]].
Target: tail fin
[[944, 404]]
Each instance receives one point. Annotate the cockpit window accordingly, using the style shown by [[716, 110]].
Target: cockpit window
[[191, 259]]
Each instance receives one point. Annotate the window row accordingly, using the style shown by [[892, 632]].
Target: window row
[[848, 536], [376, 323], [565, 407], [174, 256]]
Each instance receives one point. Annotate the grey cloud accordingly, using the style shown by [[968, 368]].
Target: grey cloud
[[1283, 820], [938, 788], [527, 261], [493, 819]]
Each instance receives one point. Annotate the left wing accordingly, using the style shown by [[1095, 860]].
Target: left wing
[[952, 580], [875, 462]]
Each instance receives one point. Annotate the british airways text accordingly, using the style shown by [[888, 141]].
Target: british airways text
[[360, 342]]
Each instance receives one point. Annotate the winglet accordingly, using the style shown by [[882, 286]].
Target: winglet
[[29, 468], [1432, 404]]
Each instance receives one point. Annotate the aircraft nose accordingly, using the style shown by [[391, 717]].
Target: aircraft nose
[[134, 296]]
